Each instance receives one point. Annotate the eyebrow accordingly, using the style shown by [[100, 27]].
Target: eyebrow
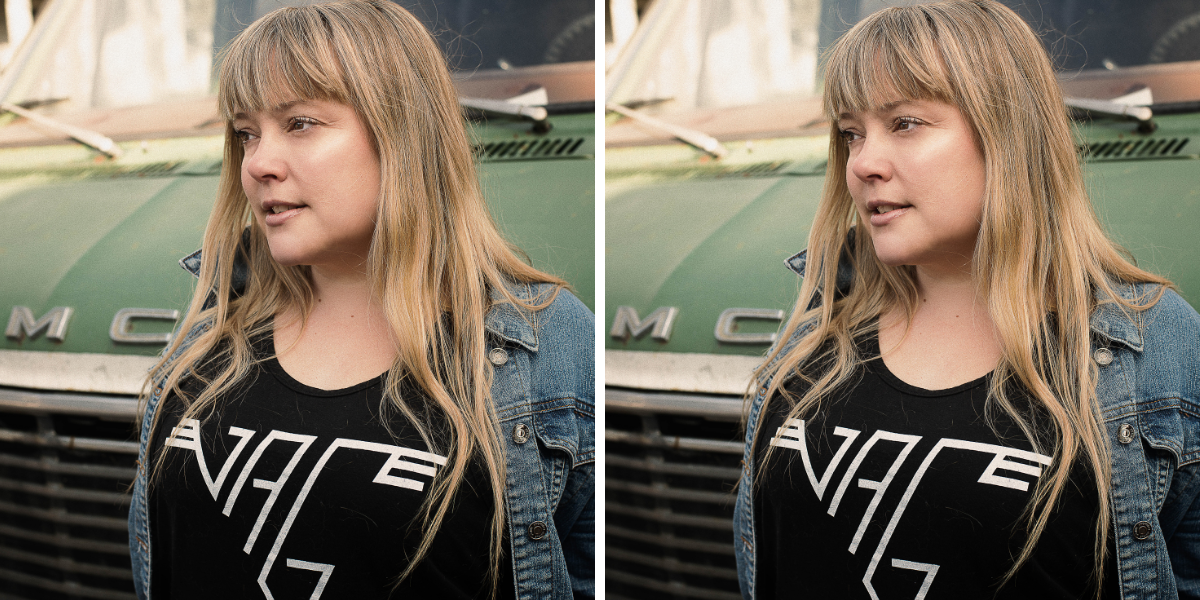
[[884, 108], [277, 108]]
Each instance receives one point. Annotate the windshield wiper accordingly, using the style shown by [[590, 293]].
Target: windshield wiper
[[86, 137], [695, 138], [1142, 114], [537, 114]]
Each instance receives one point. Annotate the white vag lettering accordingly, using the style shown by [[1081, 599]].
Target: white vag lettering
[[186, 436], [274, 486], [395, 462]]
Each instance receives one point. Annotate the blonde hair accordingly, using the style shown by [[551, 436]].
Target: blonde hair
[[437, 262], [1041, 258]]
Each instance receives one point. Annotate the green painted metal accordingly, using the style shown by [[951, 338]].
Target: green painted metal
[[682, 232], [99, 235]]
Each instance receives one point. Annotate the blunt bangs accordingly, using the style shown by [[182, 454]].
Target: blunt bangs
[[892, 55], [286, 56]]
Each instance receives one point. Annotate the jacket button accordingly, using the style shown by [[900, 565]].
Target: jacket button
[[1103, 356], [521, 433], [1141, 530], [498, 356], [537, 530], [1125, 433]]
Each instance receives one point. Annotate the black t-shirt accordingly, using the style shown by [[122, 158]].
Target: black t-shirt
[[894, 492], [288, 491]]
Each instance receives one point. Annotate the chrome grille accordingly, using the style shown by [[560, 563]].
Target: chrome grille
[[671, 464], [66, 462]]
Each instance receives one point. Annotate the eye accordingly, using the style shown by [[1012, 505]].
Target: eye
[[301, 123], [244, 136], [906, 123], [849, 135]]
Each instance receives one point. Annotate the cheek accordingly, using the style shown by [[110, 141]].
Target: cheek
[[248, 186]]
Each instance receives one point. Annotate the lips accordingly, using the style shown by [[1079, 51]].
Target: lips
[[278, 212], [883, 212]]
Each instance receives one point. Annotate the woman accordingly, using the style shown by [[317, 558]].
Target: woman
[[374, 394], [977, 395]]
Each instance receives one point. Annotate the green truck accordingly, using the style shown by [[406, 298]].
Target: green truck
[[706, 198], [110, 150]]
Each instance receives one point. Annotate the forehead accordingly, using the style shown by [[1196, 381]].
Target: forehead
[[282, 107]]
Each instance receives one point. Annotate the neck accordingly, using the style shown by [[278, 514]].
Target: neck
[[951, 298], [955, 286]]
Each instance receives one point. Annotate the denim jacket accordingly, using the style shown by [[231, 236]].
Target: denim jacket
[[1149, 395], [544, 390]]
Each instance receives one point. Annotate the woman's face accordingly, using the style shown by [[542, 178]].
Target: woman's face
[[311, 173], [917, 178]]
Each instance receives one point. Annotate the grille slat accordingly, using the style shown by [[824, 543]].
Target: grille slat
[[677, 494], [56, 491], [668, 564], [64, 541], [67, 443], [674, 443], [675, 590], [673, 518], [670, 541], [47, 466], [72, 589], [61, 516], [66, 564], [676, 469]]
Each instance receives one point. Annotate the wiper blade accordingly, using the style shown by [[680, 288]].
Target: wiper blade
[[537, 114], [87, 137], [1142, 114], [695, 138]]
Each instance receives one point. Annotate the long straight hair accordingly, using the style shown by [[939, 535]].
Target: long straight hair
[[1041, 261], [437, 262]]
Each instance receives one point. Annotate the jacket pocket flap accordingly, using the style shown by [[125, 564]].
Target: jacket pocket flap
[[1165, 430], [562, 428]]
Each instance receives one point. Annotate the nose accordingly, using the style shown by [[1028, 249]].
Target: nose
[[870, 161], [264, 160]]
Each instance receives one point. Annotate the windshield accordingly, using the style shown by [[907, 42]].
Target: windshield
[[730, 53], [118, 53]]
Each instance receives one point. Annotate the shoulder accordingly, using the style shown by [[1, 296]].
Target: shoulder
[[1166, 341], [558, 332], [567, 344], [545, 313], [1172, 312]]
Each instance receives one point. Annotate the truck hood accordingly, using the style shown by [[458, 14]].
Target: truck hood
[[99, 236], [705, 237]]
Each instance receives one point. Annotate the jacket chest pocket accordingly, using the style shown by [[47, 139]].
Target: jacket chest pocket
[[1172, 440], [565, 441]]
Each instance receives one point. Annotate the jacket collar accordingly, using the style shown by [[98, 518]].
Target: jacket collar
[[503, 320], [1109, 321]]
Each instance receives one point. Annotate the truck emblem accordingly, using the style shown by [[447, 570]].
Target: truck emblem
[[725, 323], [121, 324], [54, 323], [626, 323]]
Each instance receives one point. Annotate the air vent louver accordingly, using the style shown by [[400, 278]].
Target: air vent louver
[[1126, 149], [525, 149]]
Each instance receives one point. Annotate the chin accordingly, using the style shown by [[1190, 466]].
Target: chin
[[286, 257], [892, 257]]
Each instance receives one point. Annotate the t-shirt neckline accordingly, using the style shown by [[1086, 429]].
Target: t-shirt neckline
[[876, 364]]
